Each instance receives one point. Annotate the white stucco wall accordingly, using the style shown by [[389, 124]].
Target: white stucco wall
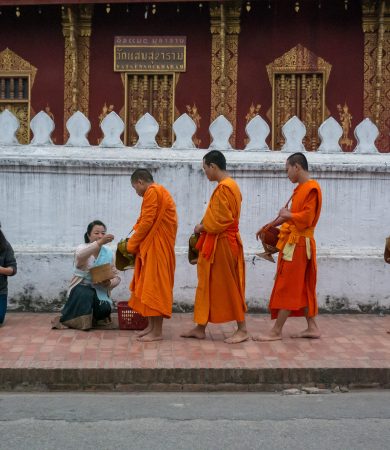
[[48, 195]]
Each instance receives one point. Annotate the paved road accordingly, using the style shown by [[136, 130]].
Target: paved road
[[352, 421]]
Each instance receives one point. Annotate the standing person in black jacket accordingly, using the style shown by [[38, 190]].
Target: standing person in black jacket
[[7, 269]]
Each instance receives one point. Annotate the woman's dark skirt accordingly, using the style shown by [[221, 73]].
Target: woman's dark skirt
[[82, 309]]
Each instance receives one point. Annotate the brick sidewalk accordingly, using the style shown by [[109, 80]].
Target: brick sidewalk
[[354, 349]]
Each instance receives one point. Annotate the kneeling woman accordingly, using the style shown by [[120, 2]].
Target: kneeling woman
[[88, 303]]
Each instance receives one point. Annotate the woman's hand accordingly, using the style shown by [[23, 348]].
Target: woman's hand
[[105, 239], [105, 284]]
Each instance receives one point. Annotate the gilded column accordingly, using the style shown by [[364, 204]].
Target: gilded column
[[76, 27], [376, 27], [225, 28]]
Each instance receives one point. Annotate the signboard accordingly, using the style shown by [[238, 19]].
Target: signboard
[[150, 54]]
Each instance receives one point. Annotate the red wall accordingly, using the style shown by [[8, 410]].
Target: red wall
[[331, 32], [194, 84], [38, 39]]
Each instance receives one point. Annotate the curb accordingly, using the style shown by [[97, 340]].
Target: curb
[[189, 380]]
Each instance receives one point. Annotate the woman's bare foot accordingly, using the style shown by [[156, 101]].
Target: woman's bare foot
[[199, 332], [272, 336], [56, 324], [238, 336], [308, 334]]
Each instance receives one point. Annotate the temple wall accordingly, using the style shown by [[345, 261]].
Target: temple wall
[[48, 195]]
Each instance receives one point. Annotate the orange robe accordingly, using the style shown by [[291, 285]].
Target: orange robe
[[295, 281], [153, 243], [220, 295]]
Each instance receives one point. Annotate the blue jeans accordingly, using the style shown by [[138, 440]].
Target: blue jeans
[[3, 307]]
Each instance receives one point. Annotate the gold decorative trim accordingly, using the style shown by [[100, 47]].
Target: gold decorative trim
[[225, 28], [299, 59], [12, 65], [77, 29], [252, 112], [370, 10], [376, 27], [106, 110], [11, 62], [193, 112], [346, 124]]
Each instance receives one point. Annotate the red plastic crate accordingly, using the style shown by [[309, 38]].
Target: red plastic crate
[[129, 319]]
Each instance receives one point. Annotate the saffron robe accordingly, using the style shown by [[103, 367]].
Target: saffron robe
[[220, 294], [296, 275], [153, 243]]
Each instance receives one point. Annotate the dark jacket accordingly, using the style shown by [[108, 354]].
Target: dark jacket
[[7, 259]]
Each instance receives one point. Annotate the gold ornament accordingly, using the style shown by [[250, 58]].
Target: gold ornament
[[296, 7], [346, 124], [108, 8], [248, 6], [17, 11]]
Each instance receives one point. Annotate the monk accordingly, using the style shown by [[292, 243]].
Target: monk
[[220, 294], [294, 292], [153, 243]]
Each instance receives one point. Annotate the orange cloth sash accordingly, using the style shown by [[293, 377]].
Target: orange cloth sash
[[207, 242]]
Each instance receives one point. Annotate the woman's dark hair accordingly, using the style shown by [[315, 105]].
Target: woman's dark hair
[[90, 227], [3, 241]]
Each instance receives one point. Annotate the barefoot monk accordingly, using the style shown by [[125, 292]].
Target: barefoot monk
[[153, 243], [220, 294], [294, 292]]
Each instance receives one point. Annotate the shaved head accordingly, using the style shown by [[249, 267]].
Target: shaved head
[[300, 159]]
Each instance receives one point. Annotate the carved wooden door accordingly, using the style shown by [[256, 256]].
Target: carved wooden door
[[152, 93], [301, 95]]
